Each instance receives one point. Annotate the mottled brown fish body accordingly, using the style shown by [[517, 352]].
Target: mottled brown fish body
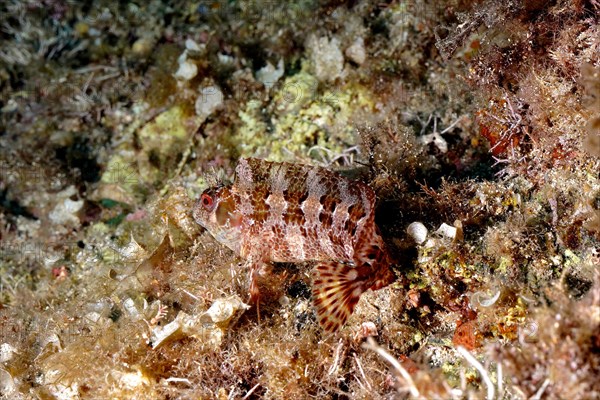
[[283, 212]]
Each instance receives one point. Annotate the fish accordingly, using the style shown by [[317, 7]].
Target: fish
[[280, 212]]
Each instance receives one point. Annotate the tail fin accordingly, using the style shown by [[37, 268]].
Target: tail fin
[[336, 290]]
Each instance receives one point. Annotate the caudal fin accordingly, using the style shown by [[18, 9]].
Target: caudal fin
[[336, 290]]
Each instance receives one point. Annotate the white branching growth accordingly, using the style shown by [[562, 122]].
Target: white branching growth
[[402, 373], [482, 371]]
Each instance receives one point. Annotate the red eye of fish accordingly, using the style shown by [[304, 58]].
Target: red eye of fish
[[207, 201]]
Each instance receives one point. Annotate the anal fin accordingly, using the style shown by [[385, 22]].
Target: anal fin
[[336, 290]]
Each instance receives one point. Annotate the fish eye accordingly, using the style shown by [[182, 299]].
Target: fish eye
[[207, 201]]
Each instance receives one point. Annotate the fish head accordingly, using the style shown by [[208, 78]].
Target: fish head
[[216, 210]]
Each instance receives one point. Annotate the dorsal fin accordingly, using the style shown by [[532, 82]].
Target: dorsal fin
[[336, 290]]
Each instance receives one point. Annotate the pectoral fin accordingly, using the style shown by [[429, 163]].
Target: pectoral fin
[[336, 290]]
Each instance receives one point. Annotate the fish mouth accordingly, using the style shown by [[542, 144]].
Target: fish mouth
[[197, 214]]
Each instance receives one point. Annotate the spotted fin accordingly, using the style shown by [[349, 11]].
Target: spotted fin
[[336, 290]]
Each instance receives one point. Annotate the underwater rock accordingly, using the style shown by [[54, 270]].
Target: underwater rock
[[269, 75], [65, 211], [327, 57], [356, 52], [209, 100]]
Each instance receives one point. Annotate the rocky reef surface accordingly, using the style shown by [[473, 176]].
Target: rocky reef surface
[[476, 123]]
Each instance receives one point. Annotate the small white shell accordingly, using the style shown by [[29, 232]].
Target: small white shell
[[208, 327], [187, 71], [447, 230], [417, 231], [191, 45], [7, 351], [480, 299]]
